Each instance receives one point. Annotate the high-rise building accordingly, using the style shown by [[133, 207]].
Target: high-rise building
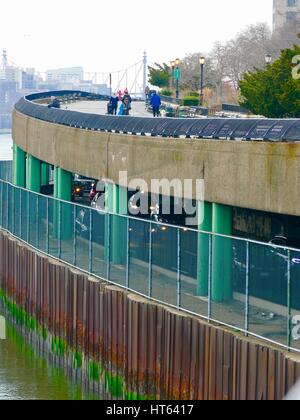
[[285, 12]]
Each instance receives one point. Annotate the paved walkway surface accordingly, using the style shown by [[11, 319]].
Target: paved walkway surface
[[100, 107]]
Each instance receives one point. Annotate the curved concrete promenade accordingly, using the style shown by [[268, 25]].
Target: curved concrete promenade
[[256, 175]]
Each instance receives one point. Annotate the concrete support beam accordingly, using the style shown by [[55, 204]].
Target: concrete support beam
[[33, 174], [221, 254], [45, 174], [19, 167]]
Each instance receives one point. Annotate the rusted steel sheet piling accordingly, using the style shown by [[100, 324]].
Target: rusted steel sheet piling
[[129, 348]]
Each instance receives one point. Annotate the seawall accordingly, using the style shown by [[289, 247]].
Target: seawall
[[128, 347]]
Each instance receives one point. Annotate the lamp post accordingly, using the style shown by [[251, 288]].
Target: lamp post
[[177, 76], [110, 84], [173, 73], [268, 59], [202, 62]]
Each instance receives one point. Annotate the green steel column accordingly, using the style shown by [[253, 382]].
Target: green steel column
[[45, 175], [64, 188], [204, 212], [64, 185], [222, 254], [33, 174], [19, 167], [116, 202]]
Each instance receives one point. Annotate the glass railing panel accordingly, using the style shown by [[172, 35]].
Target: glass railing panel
[[268, 290], [194, 271], [228, 281], [165, 263], [118, 248], [67, 221], [139, 256], [99, 257]]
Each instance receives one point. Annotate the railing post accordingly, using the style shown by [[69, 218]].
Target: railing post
[[7, 208], [13, 210], [108, 247], [178, 268], [74, 237], [28, 215], [289, 302], [91, 242], [150, 262], [47, 228], [128, 253], [247, 288], [37, 220], [59, 229], [1, 201], [20, 215], [209, 276]]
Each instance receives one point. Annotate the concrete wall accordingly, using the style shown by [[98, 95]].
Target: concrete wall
[[255, 175]]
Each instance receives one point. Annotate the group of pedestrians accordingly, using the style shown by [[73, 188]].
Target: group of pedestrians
[[125, 103]]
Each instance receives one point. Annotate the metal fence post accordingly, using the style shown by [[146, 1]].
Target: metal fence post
[[209, 277], [7, 208], [20, 215], [128, 253], [37, 220], [47, 227], [108, 247], [1, 201], [150, 291], [28, 216], [74, 237], [178, 268], [289, 303], [91, 243], [13, 211], [247, 289], [59, 229]]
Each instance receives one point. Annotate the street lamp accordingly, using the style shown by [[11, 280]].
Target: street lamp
[[173, 73], [110, 84], [202, 62], [177, 76], [268, 59]]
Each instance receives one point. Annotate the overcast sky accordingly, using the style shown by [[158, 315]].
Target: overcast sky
[[108, 35]]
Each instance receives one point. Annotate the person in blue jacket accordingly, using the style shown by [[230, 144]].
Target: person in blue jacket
[[125, 107], [155, 102]]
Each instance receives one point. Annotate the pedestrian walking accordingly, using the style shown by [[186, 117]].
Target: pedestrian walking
[[125, 107], [155, 102], [114, 100], [127, 96]]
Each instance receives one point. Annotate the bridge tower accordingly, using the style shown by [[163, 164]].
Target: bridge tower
[[145, 61]]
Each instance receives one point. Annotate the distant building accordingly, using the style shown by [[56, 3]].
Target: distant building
[[285, 12], [29, 81], [65, 75]]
